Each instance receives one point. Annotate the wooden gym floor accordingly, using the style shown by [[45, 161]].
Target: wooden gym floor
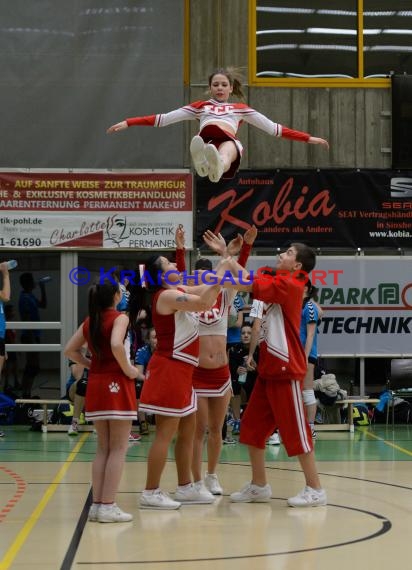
[[45, 489]]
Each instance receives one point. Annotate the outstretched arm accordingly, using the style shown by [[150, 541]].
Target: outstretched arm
[[317, 140], [244, 244], [180, 248], [235, 245], [117, 127], [293, 135], [275, 129], [173, 300], [187, 113], [215, 242], [147, 121], [238, 279], [248, 240]]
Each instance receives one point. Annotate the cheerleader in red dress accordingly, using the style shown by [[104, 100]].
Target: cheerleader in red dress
[[167, 390], [211, 379], [216, 150], [110, 397]]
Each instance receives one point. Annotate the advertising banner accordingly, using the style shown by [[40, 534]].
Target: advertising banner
[[366, 302], [99, 209], [323, 208]]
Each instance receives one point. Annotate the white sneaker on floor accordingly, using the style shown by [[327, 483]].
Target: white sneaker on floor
[[274, 439], [194, 494], [252, 494], [197, 152], [212, 484], [94, 509], [215, 163], [309, 498], [73, 429], [157, 499], [112, 513]]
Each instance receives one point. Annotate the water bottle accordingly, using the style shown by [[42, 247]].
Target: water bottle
[[12, 264], [45, 279], [242, 377]]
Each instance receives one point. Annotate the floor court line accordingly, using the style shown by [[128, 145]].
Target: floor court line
[[306, 534], [77, 534], [390, 444], [20, 539], [385, 527]]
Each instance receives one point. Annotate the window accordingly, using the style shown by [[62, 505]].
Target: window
[[387, 38], [329, 42]]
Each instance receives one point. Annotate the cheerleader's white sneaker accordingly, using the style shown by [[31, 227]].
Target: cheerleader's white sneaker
[[112, 513], [309, 497], [157, 499], [212, 484], [94, 509], [252, 494], [194, 494], [197, 152], [215, 163]]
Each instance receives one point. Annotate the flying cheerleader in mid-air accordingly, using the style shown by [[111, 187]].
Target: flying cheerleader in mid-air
[[215, 151]]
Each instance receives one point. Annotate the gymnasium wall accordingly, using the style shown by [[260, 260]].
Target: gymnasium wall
[[70, 69]]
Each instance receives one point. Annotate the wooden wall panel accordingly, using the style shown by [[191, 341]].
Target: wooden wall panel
[[360, 126], [300, 120], [264, 151], [319, 125], [204, 39], [376, 136], [218, 36], [235, 34], [342, 120]]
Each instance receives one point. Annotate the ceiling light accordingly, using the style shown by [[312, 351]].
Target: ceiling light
[[334, 31], [279, 31]]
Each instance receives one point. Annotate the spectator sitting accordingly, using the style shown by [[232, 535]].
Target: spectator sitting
[[76, 392]]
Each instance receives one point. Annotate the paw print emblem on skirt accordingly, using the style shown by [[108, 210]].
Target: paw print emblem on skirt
[[114, 387]]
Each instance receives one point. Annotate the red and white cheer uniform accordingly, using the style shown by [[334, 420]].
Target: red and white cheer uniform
[[167, 389], [230, 114], [110, 393], [276, 400], [214, 382]]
